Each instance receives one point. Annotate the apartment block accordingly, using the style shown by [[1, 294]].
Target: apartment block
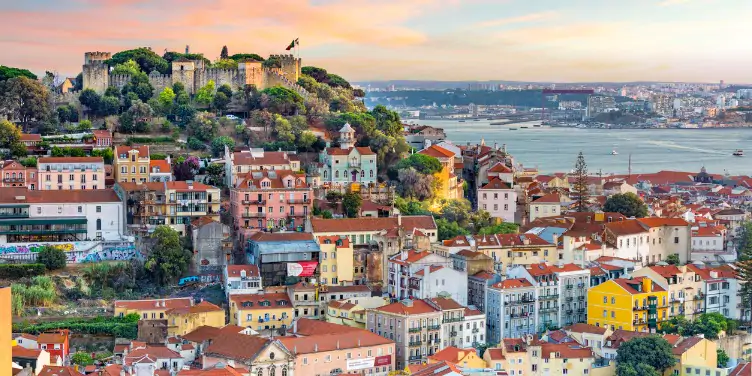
[[70, 173], [131, 164], [271, 199]]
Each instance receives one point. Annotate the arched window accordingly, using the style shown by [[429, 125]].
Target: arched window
[[362, 174], [99, 224], [14, 175], [260, 372], [284, 371], [371, 173], [325, 173], [336, 174], [271, 371]]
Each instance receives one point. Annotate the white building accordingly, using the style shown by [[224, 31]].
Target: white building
[[547, 206], [510, 310], [722, 293], [649, 240], [422, 275], [60, 216], [499, 199], [242, 279]]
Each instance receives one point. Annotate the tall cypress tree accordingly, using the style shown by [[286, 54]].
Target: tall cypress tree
[[580, 183], [224, 54]]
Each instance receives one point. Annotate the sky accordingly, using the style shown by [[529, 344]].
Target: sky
[[364, 40]]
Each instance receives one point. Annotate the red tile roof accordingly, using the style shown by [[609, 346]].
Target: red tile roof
[[355, 338], [628, 227], [22, 352], [239, 347], [71, 160], [10, 195], [275, 179], [437, 152], [30, 137], [58, 371], [152, 304], [500, 168], [276, 300], [513, 283], [551, 198], [510, 240], [202, 307], [627, 285], [496, 183], [741, 369], [368, 224], [161, 164], [413, 256], [149, 353], [433, 269], [225, 371], [666, 271], [565, 351], [451, 354], [201, 334], [52, 338], [436, 369], [281, 236], [483, 275], [270, 158], [250, 270], [308, 327], [418, 307], [585, 328], [446, 303], [658, 222], [685, 345], [143, 150], [496, 354]]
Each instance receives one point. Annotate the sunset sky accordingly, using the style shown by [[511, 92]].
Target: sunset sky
[[530, 40]]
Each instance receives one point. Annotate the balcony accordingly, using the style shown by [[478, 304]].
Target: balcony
[[453, 333], [415, 343], [569, 287], [452, 319], [297, 215], [434, 327], [640, 308], [352, 164], [581, 310], [581, 298], [570, 298], [550, 296], [254, 215], [415, 357], [476, 330], [569, 311], [299, 201], [413, 330], [547, 309], [254, 202], [14, 180]]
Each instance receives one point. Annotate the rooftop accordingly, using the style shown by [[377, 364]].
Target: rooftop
[[22, 195]]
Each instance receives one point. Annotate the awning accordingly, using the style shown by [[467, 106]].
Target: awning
[[14, 206], [43, 221]]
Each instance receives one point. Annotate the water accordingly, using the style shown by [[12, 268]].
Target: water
[[556, 149]]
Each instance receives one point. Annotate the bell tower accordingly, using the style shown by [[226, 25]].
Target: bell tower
[[346, 137]]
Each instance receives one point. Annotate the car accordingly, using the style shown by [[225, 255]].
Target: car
[[233, 117]]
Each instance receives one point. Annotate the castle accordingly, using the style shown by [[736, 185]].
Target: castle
[[193, 74]]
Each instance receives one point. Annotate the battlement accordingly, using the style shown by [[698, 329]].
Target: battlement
[[288, 57], [119, 80], [96, 57], [155, 75]]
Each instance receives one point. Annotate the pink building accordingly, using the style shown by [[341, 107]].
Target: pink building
[[102, 138], [327, 349], [271, 199], [14, 174], [69, 173]]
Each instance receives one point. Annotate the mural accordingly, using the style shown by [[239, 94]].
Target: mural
[[76, 252]]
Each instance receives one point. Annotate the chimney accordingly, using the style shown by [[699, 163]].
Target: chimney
[[337, 344], [295, 327], [399, 220], [315, 347]]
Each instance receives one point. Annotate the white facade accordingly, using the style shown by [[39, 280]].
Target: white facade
[[544, 209], [402, 271], [432, 281], [500, 203], [104, 219], [474, 329], [722, 296], [242, 279]]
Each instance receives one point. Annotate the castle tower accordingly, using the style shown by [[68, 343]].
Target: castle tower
[[251, 73], [290, 67], [346, 137], [184, 71], [96, 73]]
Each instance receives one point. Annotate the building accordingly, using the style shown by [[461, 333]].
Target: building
[[352, 311], [147, 359], [102, 138], [247, 354], [240, 163], [516, 249], [547, 206], [662, 104], [511, 309], [695, 356], [560, 359], [59, 216], [420, 328], [590, 336], [336, 259], [331, 350], [450, 186], [160, 170], [683, 286], [636, 304], [263, 311], [131, 164], [70, 173], [461, 357], [417, 274], [277, 254], [271, 199], [150, 309], [184, 320], [498, 197], [347, 164], [36, 359], [212, 243], [27, 341], [56, 343], [242, 280], [598, 104], [14, 174], [477, 285], [173, 203]]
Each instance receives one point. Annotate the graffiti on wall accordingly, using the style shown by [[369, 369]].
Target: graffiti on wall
[[76, 252]]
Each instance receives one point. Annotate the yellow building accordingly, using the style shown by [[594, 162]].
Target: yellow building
[[261, 311], [185, 320], [150, 309], [131, 164], [6, 323], [336, 260], [465, 358], [635, 304], [352, 312], [516, 249], [560, 359], [695, 356], [449, 185]]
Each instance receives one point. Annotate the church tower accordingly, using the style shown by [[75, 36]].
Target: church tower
[[346, 137]]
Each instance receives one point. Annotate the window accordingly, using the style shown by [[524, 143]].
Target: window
[[676, 240], [99, 224]]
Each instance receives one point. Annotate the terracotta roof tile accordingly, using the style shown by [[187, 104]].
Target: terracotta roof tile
[[483, 275], [30, 137], [509, 240], [70, 160], [741, 369], [275, 300], [437, 152], [318, 343], [565, 351], [551, 198], [496, 183], [585, 328], [225, 371], [160, 164], [274, 179], [496, 354], [628, 227], [239, 347], [308, 327], [22, 352], [500, 168], [418, 307], [281, 236], [201, 334], [58, 371], [143, 150], [250, 270], [9, 195], [150, 352], [51, 338], [446, 303], [145, 304], [658, 222], [433, 269], [628, 285], [435, 369], [202, 307], [513, 283], [451, 354], [413, 256], [368, 224]]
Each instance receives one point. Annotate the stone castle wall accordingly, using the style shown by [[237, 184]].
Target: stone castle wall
[[159, 81], [119, 80], [219, 76]]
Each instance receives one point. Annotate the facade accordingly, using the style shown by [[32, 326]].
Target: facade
[[102, 138], [240, 163], [511, 310], [160, 170], [683, 286], [516, 249], [347, 164], [14, 174], [636, 304], [477, 285], [131, 164], [352, 311], [56, 343], [336, 259], [422, 275], [70, 173], [461, 357], [560, 359], [249, 355], [172, 203], [546, 206], [242, 280], [150, 309], [184, 320], [271, 199], [450, 186], [498, 198], [272, 252], [263, 311], [212, 243], [59, 216]]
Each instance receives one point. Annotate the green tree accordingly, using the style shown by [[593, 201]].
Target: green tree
[[628, 204], [639, 369], [223, 54], [53, 258], [139, 84], [581, 183], [501, 228], [129, 68], [238, 57], [225, 64], [226, 90], [205, 94], [723, 358], [653, 351], [90, 99], [425, 164], [447, 230], [336, 81], [218, 145], [318, 74], [107, 154], [327, 214], [184, 114], [82, 358], [84, 126], [387, 121], [216, 173], [281, 100], [167, 101], [6, 73], [673, 259], [168, 260], [146, 59], [108, 105], [137, 118], [220, 101], [744, 264], [29, 98], [10, 138], [283, 130], [457, 211], [306, 140], [414, 185], [195, 144], [351, 203], [204, 127], [78, 84]]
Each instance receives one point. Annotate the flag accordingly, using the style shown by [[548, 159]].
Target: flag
[[292, 44]]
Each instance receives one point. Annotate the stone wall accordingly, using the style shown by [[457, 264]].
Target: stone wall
[[219, 76], [119, 80], [159, 81], [96, 77], [732, 345]]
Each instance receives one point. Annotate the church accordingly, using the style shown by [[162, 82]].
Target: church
[[347, 164]]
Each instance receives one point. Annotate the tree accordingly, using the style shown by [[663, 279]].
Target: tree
[[219, 143], [723, 358], [129, 68], [281, 100], [10, 138], [108, 105], [78, 85], [84, 126], [204, 127], [29, 97], [6, 73], [639, 369], [457, 211], [225, 64], [90, 99], [336, 81], [146, 59], [651, 350], [415, 185], [195, 144], [107, 154], [318, 74], [139, 84], [205, 94], [351, 203], [327, 214], [82, 358], [306, 140], [226, 89], [581, 183], [223, 54], [501, 228], [185, 168], [137, 118], [216, 173], [238, 57], [184, 114], [220, 101], [673, 259], [387, 121], [283, 130], [628, 204], [166, 100], [422, 163], [447, 230], [53, 258], [168, 260]]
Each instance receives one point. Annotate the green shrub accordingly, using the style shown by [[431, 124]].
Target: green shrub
[[17, 271], [150, 140], [121, 327]]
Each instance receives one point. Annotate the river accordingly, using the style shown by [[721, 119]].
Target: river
[[556, 149]]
